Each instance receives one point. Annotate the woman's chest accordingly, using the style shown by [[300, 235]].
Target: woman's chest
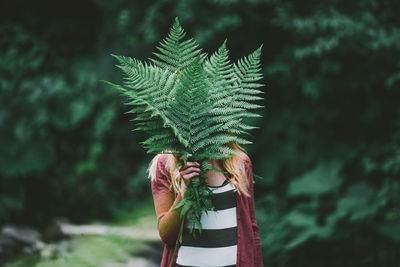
[[217, 242]]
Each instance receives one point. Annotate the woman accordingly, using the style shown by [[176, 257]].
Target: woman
[[230, 233]]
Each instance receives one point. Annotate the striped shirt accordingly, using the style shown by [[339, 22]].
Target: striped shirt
[[217, 245]]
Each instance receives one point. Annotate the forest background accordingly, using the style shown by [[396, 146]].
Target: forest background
[[326, 156]]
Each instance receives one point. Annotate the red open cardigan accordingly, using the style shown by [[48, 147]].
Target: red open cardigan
[[249, 252]]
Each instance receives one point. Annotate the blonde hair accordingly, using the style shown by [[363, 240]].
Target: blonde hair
[[234, 166]]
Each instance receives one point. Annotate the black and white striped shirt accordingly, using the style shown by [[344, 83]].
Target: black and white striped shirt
[[217, 245]]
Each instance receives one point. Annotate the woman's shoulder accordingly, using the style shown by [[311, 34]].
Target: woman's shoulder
[[243, 155], [165, 160], [159, 166], [244, 158], [246, 165]]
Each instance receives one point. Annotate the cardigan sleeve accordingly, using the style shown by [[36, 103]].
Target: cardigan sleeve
[[168, 221], [258, 261]]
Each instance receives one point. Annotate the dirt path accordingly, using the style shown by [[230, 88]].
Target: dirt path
[[149, 249], [129, 242]]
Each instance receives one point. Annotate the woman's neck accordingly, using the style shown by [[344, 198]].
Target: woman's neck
[[215, 178], [215, 164]]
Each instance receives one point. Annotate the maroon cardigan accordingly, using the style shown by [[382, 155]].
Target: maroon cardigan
[[249, 252]]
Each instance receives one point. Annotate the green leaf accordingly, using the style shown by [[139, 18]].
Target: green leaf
[[322, 179], [190, 104]]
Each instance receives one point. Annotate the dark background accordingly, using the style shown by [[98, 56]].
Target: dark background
[[326, 155]]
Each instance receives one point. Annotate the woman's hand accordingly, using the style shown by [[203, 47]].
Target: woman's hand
[[188, 171]]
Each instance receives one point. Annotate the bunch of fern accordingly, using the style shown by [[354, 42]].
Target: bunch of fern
[[192, 104]]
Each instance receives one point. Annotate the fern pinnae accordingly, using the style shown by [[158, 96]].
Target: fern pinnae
[[192, 103]]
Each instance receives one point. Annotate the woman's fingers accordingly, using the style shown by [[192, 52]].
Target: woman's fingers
[[189, 164], [189, 173], [189, 176], [189, 170]]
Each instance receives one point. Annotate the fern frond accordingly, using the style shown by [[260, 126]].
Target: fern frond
[[189, 103], [175, 53]]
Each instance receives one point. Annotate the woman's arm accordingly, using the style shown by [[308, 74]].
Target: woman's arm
[[256, 237], [168, 221]]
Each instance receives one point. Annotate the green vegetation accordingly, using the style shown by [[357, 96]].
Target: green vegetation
[[327, 150], [85, 251], [97, 250]]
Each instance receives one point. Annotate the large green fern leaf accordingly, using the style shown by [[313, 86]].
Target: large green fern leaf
[[190, 104]]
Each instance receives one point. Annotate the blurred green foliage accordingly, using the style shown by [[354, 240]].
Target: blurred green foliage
[[110, 249], [328, 149]]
